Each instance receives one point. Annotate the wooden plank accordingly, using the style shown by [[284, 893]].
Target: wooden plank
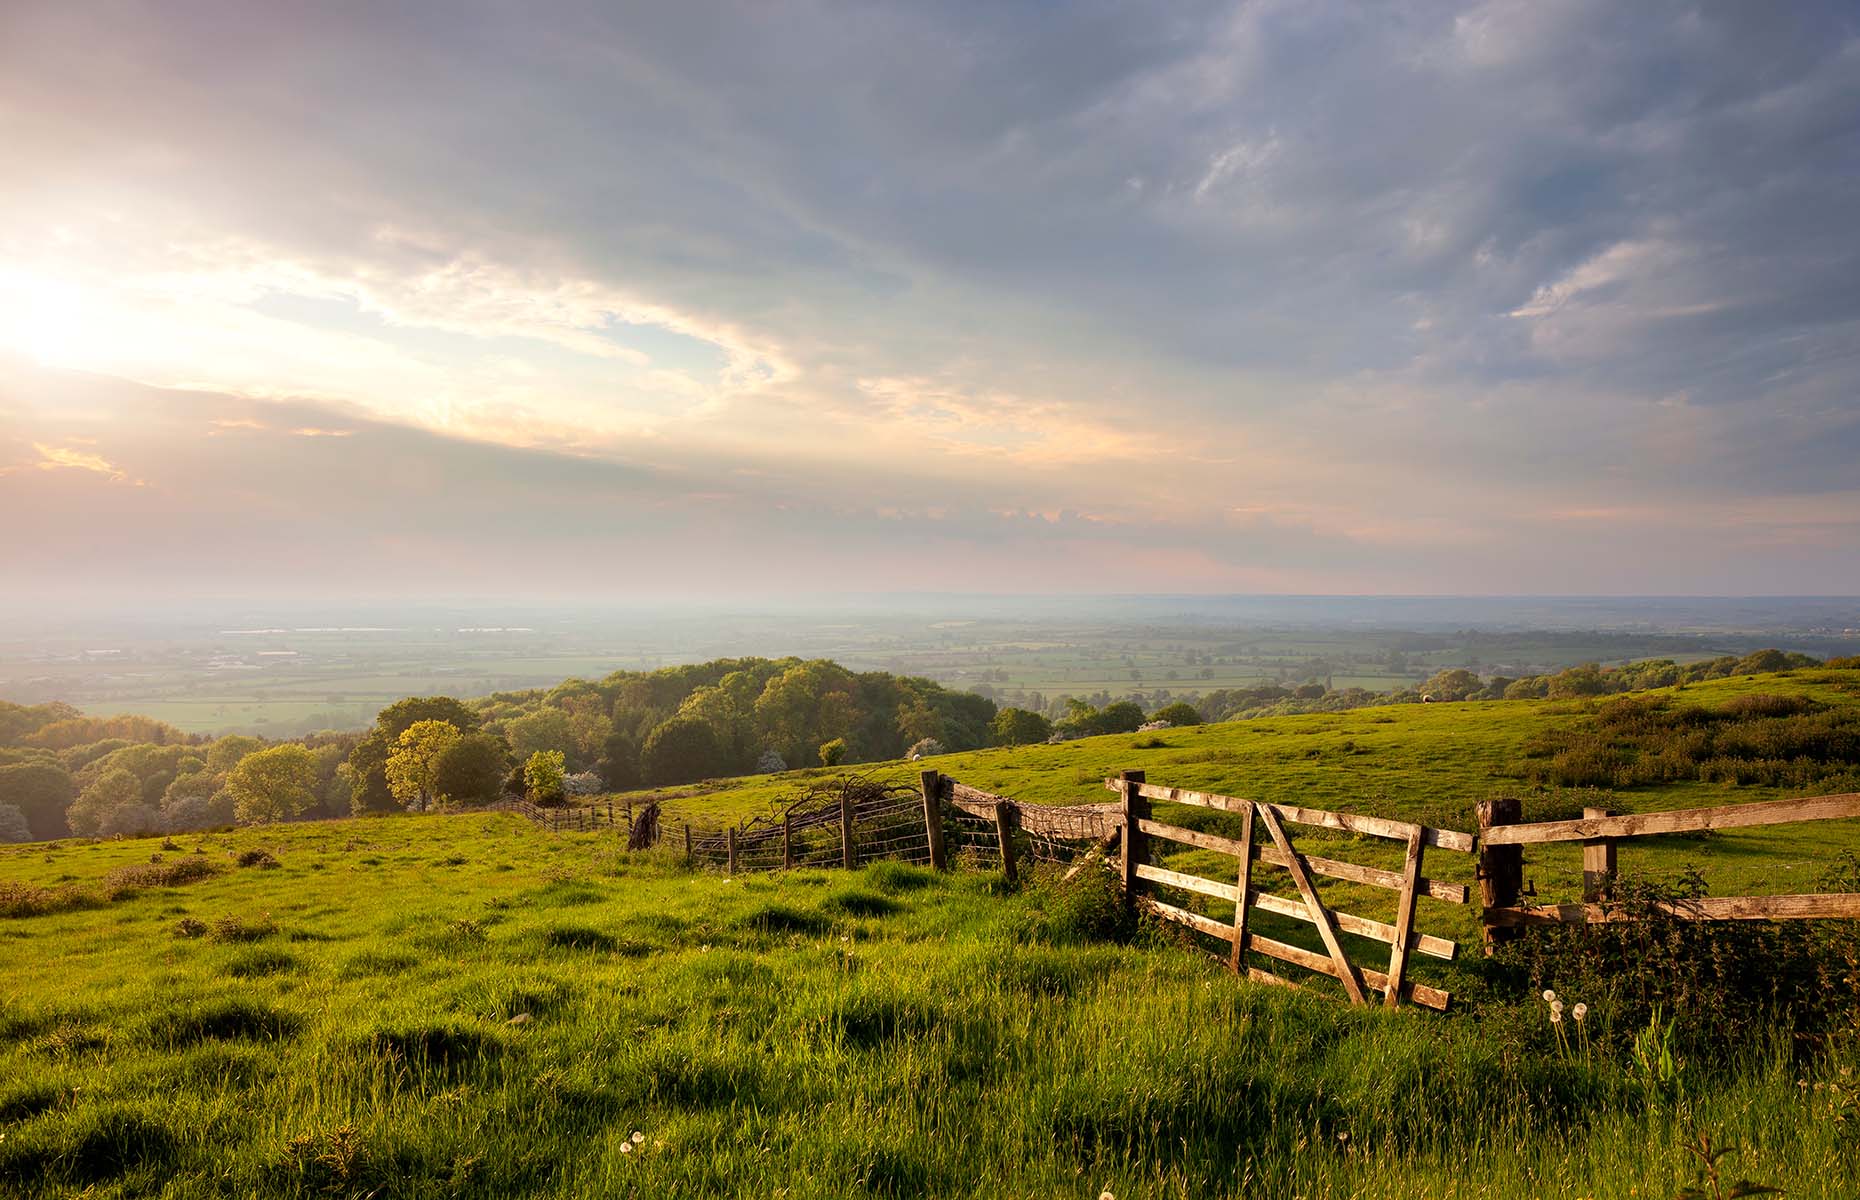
[[1375, 931], [1346, 971], [1244, 885], [1419, 993], [1680, 820], [1193, 920], [1452, 893], [1188, 883], [1404, 924], [1811, 907], [1194, 837], [1445, 839], [1260, 976]]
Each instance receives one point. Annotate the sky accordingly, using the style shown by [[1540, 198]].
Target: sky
[[656, 301]]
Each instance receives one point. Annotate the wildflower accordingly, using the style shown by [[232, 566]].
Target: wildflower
[[1556, 1006], [1106, 1195], [1556, 1016], [1580, 1011], [626, 1147], [1549, 996], [638, 1137]]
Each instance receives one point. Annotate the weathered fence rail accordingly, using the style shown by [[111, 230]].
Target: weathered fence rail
[[1503, 836]]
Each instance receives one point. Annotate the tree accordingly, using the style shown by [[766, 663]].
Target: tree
[[130, 820], [43, 792], [543, 776], [924, 748], [544, 729], [13, 827], [1179, 713], [1456, 684], [680, 750], [1121, 717], [224, 754], [368, 789], [1020, 727], [471, 770], [833, 753], [112, 790], [619, 764], [274, 784], [412, 765]]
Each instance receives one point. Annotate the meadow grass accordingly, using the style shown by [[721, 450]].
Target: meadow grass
[[469, 1006]]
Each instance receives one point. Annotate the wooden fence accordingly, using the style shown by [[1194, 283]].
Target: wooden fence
[[1502, 839], [943, 822], [1279, 851]]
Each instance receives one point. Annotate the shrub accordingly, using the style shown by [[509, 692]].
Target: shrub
[[124, 880], [30, 900], [237, 929], [255, 857]]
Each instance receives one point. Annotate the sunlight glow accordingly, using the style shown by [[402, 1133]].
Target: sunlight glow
[[41, 317]]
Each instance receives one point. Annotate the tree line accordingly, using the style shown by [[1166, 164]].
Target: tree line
[[63, 772]]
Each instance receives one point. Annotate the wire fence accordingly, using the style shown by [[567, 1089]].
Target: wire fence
[[853, 820]]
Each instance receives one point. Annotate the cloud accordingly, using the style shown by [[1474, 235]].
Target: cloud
[[1409, 279], [63, 458]]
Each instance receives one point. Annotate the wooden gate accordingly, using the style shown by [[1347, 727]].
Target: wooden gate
[[1278, 850]]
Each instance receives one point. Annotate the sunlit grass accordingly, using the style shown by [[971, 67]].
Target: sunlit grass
[[469, 1006]]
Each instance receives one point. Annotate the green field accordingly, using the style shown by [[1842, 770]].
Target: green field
[[467, 1005]]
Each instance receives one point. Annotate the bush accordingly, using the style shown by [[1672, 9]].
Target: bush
[[124, 880], [255, 857]]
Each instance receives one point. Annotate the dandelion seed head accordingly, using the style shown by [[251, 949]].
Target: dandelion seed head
[[1580, 1011], [1556, 1016], [1549, 996], [626, 1147], [638, 1137]]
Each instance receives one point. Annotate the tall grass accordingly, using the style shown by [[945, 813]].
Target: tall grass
[[468, 1007]]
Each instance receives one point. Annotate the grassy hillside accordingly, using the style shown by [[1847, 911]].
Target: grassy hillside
[[1424, 762], [467, 1006]]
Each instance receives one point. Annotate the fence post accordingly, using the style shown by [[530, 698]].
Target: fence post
[[1136, 807], [931, 783], [1598, 862], [1501, 869], [1004, 830], [730, 840], [687, 843], [787, 841], [849, 853]]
